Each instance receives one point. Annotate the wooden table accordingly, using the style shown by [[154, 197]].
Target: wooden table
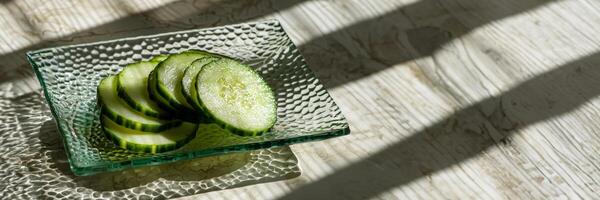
[[446, 99]]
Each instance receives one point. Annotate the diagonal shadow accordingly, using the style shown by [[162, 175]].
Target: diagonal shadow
[[188, 15], [464, 134], [426, 24], [410, 32]]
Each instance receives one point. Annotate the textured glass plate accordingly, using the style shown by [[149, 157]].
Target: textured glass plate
[[69, 76]]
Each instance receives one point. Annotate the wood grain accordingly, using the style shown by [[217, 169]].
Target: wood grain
[[453, 99]]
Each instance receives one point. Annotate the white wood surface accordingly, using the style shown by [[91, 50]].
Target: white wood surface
[[446, 99]]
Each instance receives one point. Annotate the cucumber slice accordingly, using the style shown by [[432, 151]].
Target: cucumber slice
[[132, 87], [181, 113], [168, 78], [155, 96], [159, 58], [118, 111], [236, 97], [149, 142], [188, 80]]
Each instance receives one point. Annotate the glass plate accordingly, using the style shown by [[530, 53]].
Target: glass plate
[[70, 74]]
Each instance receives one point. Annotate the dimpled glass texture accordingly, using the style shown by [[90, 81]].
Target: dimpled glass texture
[[70, 74]]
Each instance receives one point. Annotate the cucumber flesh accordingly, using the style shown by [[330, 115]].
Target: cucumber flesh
[[139, 141], [132, 87], [168, 78], [120, 112], [188, 80], [236, 97]]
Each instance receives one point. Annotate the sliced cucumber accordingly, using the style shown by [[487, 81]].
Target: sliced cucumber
[[182, 113], [236, 97], [132, 87], [168, 78], [159, 58], [117, 110], [155, 96], [149, 142], [189, 79]]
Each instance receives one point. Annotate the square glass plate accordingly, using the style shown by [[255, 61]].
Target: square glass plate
[[70, 74]]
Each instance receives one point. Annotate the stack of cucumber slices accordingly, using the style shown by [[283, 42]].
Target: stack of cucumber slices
[[155, 106]]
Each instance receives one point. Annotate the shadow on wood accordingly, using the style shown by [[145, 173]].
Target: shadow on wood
[[464, 134], [425, 24], [410, 32], [184, 15]]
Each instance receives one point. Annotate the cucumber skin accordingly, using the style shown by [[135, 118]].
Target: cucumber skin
[[190, 98], [161, 94], [170, 102], [146, 148], [175, 109], [131, 102], [132, 124], [159, 58], [135, 125], [164, 92], [225, 125], [155, 96]]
